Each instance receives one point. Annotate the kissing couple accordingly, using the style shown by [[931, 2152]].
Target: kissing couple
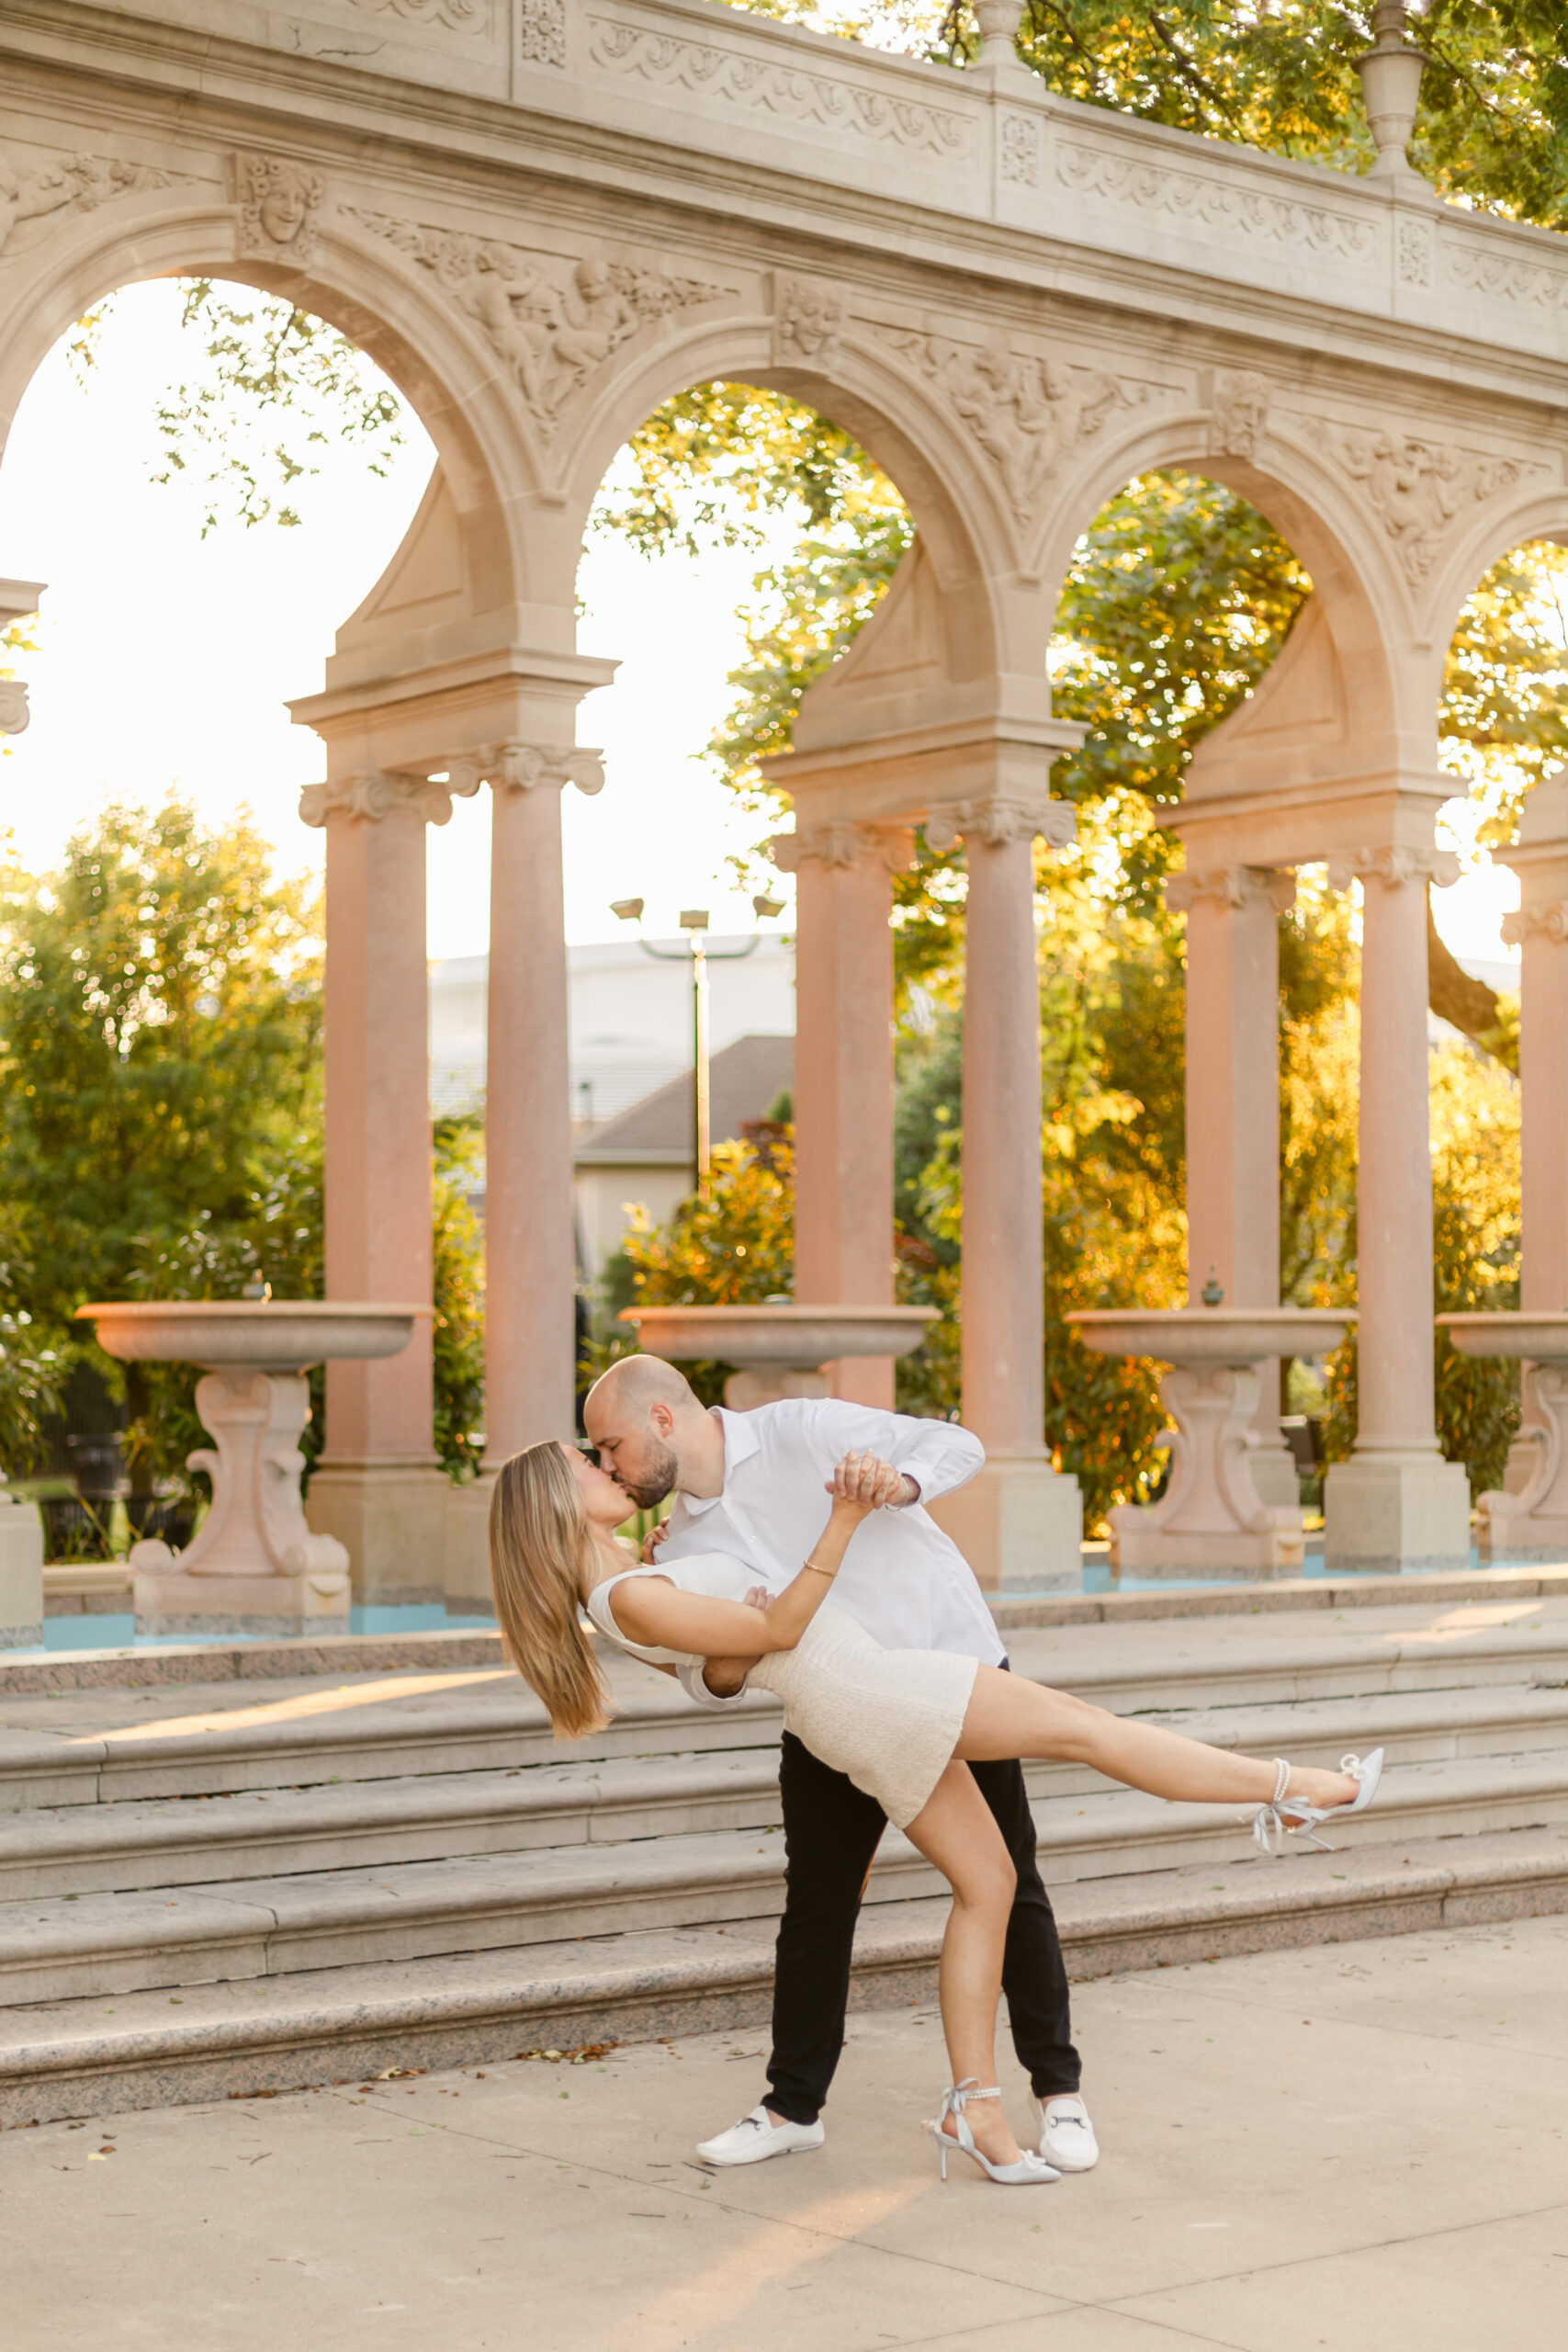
[[866, 1621]]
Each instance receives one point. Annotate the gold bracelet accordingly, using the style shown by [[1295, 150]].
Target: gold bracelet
[[821, 1572]]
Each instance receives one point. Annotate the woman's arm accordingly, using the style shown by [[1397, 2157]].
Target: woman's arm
[[651, 1611]]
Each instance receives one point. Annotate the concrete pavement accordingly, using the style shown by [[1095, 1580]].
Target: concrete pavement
[[1305, 2151]]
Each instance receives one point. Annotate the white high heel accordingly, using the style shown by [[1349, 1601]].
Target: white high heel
[[1029, 2168], [1283, 1814]]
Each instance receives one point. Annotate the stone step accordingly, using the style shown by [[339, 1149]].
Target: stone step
[[173, 1842], [229, 1737], [174, 1936], [89, 2056]]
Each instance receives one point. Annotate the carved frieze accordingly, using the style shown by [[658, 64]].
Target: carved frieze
[[279, 202], [541, 32], [810, 318], [1417, 487], [1215, 203], [1481, 269], [1393, 863], [1025, 412], [552, 336], [456, 16], [1020, 150], [844, 104], [1414, 251], [70, 184], [1232, 886], [999, 820], [1240, 409]]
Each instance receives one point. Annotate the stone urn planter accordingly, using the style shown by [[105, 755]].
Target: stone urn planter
[[1532, 1524], [1210, 1518], [778, 1351], [254, 1567]]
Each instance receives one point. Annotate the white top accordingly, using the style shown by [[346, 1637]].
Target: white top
[[905, 1581], [712, 1574]]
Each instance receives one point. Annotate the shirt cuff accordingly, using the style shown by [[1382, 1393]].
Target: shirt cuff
[[690, 1678]]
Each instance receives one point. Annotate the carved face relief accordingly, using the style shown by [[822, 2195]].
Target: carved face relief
[[279, 201], [809, 319], [1241, 412]]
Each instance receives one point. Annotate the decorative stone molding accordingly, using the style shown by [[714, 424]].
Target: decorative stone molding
[[1024, 412], [1417, 487], [279, 201], [375, 795], [70, 184], [809, 319], [1536, 922], [998, 822], [1232, 886], [1240, 408], [520, 767], [842, 843], [1020, 150], [13, 712], [839, 103], [1414, 251], [1217, 203], [541, 32], [551, 338], [1393, 866]]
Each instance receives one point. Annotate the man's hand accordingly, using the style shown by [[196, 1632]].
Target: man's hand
[[889, 1489], [724, 1676]]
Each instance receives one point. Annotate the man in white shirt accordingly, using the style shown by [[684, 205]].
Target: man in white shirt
[[751, 1484]]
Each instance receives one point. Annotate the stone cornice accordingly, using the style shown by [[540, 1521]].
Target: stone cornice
[[1489, 301]]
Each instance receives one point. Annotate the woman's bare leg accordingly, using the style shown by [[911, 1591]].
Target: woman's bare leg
[[1010, 1716], [955, 1830]]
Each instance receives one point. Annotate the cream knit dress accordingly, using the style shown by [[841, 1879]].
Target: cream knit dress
[[888, 1719]]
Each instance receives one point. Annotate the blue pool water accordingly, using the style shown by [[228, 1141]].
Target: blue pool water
[[117, 1632]]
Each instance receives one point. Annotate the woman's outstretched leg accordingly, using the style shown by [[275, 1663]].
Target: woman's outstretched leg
[[955, 1829], [1007, 1716]]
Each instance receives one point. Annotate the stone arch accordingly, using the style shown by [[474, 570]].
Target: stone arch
[[970, 538], [358, 286], [1536, 509]]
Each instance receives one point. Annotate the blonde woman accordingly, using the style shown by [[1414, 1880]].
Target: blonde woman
[[903, 1724]]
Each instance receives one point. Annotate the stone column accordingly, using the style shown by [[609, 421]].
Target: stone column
[[1540, 930], [843, 1079], [1396, 1502], [21, 1531], [377, 1486], [1019, 1524], [1232, 1115]]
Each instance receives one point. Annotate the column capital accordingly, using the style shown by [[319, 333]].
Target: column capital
[[14, 711], [1232, 886], [1549, 921], [998, 819], [844, 844], [1393, 864], [514, 766], [376, 792]]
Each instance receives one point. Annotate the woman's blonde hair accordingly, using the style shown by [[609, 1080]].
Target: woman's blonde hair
[[539, 1546]]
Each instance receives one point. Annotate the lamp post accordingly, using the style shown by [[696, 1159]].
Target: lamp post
[[697, 953]]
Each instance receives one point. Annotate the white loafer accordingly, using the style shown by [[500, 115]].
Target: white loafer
[[1067, 2135], [757, 2137]]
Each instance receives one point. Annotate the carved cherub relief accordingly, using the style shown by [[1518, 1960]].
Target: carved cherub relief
[[1418, 487], [1024, 412], [77, 183]]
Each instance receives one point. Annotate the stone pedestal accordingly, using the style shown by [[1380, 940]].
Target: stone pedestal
[[21, 1574], [1394, 1509], [1019, 1525], [168, 1603], [390, 1516], [1275, 1472], [1210, 1516]]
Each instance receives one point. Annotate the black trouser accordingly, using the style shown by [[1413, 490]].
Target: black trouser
[[831, 1832]]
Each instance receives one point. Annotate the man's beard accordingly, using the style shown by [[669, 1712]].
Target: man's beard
[[659, 1470]]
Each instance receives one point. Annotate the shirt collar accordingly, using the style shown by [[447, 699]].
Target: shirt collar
[[741, 1442]]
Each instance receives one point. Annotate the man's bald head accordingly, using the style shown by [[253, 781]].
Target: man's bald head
[[651, 1429]]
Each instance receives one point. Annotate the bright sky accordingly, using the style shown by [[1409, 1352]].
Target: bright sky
[[166, 660]]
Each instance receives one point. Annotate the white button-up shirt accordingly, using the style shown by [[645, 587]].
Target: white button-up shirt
[[905, 1581]]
